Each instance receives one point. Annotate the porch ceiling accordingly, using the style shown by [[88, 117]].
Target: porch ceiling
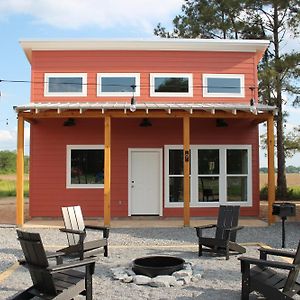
[[124, 108]]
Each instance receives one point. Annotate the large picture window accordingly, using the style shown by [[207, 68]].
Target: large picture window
[[171, 85], [223, 85], [118, 84], [237, 173], [219, 175], [85, 166], [65, 84], [208, 175], [176, 175]]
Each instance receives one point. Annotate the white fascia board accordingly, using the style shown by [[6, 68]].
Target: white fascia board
[[147, 45]]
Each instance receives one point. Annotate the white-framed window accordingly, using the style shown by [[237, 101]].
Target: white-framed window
[[118, 84], [171, 85], [223, 85], [219, 174], [65, 84], [85, 166]]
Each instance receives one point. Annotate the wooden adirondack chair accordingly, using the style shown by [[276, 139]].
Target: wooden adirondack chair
[[60, 281], [225, 233], [267, 281], [76, 234]]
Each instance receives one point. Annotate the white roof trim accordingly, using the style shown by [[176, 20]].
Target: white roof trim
[[169, 107], [145, 44]]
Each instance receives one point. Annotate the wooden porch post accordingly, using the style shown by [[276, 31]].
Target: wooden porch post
[[186, 171], [271, 169], [20, 173], [107, 169]]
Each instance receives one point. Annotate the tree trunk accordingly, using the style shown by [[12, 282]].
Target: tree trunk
[[281, 176]]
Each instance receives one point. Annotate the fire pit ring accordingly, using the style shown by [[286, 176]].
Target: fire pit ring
[[152, 266]]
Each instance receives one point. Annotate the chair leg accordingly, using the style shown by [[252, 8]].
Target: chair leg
[[200, 250], [245, 288], [227, 252], [88, 282], [245, 268], [106, 251]]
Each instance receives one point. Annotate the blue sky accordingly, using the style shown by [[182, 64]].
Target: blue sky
[[51, 19]]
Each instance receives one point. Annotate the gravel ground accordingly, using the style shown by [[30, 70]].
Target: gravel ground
[[221, 278]]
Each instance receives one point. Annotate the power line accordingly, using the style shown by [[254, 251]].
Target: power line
[[118, 85]]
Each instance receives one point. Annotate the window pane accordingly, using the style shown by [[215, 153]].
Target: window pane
[[224, 85], [236, 188], [171, 85], [208, 189], [237, 161], [65, 85], [87, 166], [176, 162], [176, 189], [208, 161], [117, 84]]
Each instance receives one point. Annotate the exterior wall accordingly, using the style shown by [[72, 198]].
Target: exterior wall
[[143, 62], [48, 160]]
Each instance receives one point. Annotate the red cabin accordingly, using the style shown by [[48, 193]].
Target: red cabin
[[144, 127]]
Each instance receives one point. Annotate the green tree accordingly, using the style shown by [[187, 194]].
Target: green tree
[[292, 142], [268, 19], [8, 162], [206, 19], [279, 71]]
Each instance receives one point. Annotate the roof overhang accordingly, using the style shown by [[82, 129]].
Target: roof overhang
[[117, 109], [258, 46]]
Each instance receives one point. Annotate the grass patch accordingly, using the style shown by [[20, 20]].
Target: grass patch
[[8, 188]]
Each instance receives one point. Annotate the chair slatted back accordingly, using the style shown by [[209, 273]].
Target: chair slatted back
[[228, 217], [293, 274], [73, 219], [37, 262]]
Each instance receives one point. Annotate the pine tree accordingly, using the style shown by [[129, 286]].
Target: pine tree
[[252, 19]]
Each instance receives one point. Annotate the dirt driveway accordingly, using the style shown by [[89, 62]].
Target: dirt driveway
[[8, 210]]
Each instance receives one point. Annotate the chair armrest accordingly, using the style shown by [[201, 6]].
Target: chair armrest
[[56, 255], [234, 228], [206, 226], [267, 263], [276, 252], [102, 228], [200, 228], [80, 232], [71, 265]]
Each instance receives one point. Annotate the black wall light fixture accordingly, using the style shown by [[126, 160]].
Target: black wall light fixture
[[69, 122], [145, 123]]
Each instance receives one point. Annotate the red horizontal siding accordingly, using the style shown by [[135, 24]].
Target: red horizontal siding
[[49, 138], [143, 62]]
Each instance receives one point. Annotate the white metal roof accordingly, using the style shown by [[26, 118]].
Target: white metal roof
[[169, 107], [158, 44]]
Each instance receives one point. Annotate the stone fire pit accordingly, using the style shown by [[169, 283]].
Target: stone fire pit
[[152, 266], [184, 275]]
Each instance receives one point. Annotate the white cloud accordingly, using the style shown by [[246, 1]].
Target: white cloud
[[7, 136], [8, 139], [74, 14]]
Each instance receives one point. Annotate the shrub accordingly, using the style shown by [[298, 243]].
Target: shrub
[[293, 194]]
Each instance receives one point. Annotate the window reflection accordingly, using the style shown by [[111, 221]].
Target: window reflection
[[236, 188], [237, 161], [87, 166]]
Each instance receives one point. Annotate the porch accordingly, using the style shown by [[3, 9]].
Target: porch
[[33, 112]]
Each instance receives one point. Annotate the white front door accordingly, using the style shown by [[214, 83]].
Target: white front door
[[145, 182]]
